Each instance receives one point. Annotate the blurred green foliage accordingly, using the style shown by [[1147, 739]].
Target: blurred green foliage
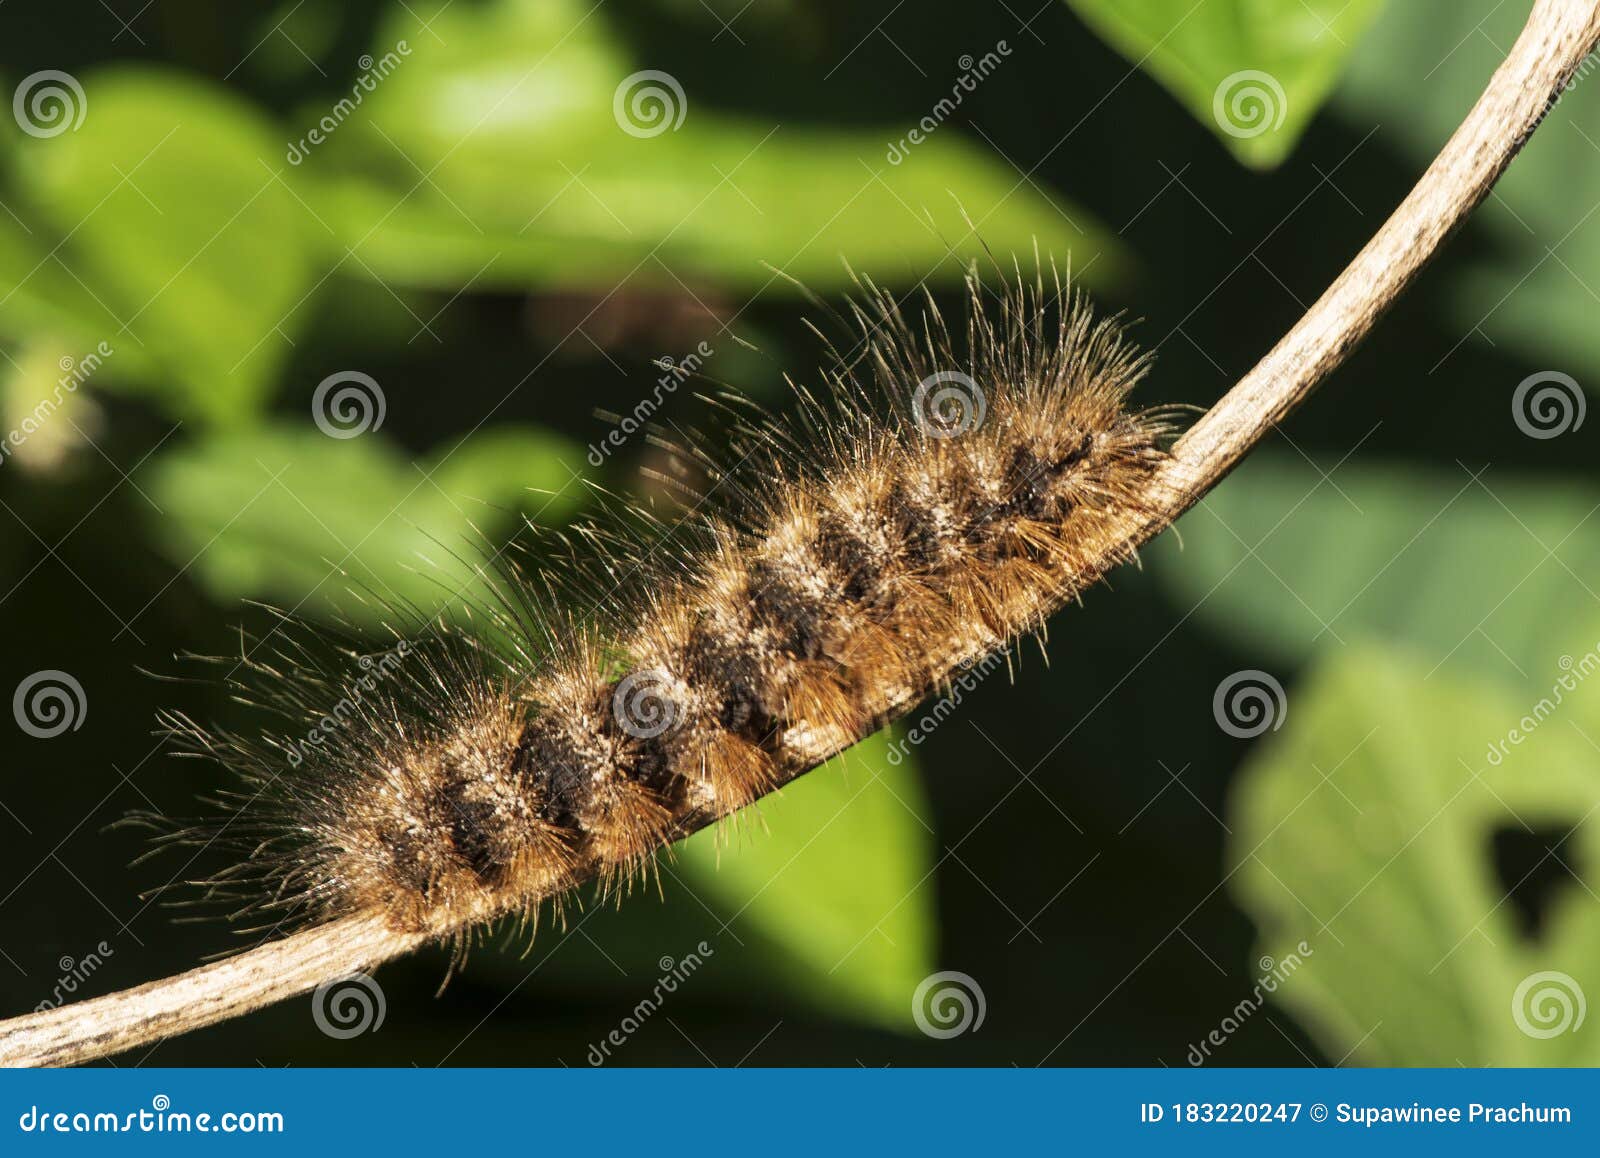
[[1297, 565], [819, 896], [1537, 288], [269, 513], [1255, 71], [469, 164], [1366, 823], [465, 202]]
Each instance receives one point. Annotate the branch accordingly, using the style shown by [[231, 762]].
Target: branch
[[224, 989], [1559, 34]]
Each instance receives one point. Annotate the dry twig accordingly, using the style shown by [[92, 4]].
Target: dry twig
[[1559, 34]]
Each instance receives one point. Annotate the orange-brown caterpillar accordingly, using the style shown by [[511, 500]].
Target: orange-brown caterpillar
[[923, 509]]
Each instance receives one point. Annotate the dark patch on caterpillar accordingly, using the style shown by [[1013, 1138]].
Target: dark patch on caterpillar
[[925, 507]]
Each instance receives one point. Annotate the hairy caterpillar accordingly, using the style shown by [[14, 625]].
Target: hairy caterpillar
[[924, 509], [1093, 501]]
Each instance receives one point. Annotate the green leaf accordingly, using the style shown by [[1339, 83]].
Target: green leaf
[[1471, 573], [166, 202], [1254, 71], [272, 512], [1362, 849], [841, 882], [41, 302], [1533, 292], [823, 893], [501, 147]]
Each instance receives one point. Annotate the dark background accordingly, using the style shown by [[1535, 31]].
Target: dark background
[[1143, 953]]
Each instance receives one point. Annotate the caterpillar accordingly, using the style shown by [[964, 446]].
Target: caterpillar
[[901, 545], [929, 504]]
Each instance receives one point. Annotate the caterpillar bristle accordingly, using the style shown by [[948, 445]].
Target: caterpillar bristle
[[736, 772], [925, 507]]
